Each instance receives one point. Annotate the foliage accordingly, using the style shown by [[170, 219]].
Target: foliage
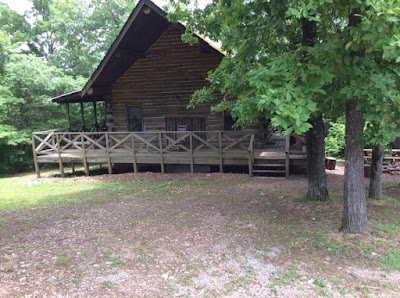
[[268, 71], [271, 71], [50, 50], [335, 139], [74, 34]]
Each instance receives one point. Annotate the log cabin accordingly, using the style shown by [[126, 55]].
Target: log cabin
[[145, 83]]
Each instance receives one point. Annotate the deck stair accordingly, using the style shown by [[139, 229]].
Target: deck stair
[[265, 166], [271, 161]]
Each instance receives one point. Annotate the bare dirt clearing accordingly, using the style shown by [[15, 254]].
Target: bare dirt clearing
[[201, 235]]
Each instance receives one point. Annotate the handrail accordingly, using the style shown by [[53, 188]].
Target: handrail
[[96, 140], [392, 155]]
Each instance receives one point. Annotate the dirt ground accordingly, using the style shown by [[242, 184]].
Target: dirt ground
[[199, 235]]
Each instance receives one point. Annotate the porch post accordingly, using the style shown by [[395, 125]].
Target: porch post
[[69, 129], [68, 118], [35, 161], [221, 164], [60, 163], [96, 124], [83, 117]]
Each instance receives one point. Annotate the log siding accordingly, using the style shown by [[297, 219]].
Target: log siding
[[163, 82]]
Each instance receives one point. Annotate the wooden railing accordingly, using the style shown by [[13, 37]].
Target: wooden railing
[[156, 144], [293, 147], [390, 155]]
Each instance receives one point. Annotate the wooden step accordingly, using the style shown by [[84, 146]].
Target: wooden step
[[270, 171], [271, 165]]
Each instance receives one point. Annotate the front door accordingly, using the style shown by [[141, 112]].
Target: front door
[[192, 124]]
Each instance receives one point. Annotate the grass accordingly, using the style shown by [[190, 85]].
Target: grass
[[18, 193], [391, 260], [390, 228], [63, 261], [286, 278], [22, 192], [107, 283]]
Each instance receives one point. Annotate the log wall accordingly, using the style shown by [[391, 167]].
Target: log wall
[[163, 82]]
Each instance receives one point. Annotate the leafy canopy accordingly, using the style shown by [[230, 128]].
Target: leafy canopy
[[269, 72]]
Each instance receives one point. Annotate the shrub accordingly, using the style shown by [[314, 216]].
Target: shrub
[[335, 139]]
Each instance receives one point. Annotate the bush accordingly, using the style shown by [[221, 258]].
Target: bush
[[335, 139]]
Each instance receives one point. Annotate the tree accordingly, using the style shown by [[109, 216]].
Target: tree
[[315, 137], [265, 70], [375, 184], [74, 34], [47, 52]]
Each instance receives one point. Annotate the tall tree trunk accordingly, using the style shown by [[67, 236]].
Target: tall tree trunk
[[355, 208], [355, 205], [375, 182], [315, 137], [317, 182]]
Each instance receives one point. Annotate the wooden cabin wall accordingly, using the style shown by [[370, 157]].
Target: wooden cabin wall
[[163, 82]]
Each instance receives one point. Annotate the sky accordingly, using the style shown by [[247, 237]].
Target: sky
[[18, 5], [22, 5]]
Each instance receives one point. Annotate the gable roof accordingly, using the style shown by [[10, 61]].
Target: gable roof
[[144, 26]]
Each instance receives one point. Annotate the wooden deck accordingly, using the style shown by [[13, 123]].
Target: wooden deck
[[220, 148]]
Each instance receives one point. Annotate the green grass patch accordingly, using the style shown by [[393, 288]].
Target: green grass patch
[[26, 192], [389, 228], [391, 260], [393, 202], [20, 193], [290, 276], [107, 284]]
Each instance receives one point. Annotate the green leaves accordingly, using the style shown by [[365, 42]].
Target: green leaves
[[269, 73]]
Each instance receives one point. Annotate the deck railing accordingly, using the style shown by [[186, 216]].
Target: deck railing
[[157, 144]]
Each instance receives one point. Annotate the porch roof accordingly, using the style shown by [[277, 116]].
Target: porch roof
[[144, 26]]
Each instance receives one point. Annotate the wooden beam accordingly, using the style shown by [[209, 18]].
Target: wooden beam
[[58, 144], [68, 117], [135, 168], [35, 161], [161, 153], [287, 157], [96, 124], [108, 154], [251, 155], [221, 165], [83, 117], [84, 158], [191, 153]]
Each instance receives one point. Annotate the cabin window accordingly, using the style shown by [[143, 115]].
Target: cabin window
[[229, 122], [134, 115]]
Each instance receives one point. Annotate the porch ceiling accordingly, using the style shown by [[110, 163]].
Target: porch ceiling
[[76, 97]]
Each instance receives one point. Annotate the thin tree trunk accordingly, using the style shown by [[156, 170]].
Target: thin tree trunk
[[375, 182], [317, 182], [355, 208], [315, 138]]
